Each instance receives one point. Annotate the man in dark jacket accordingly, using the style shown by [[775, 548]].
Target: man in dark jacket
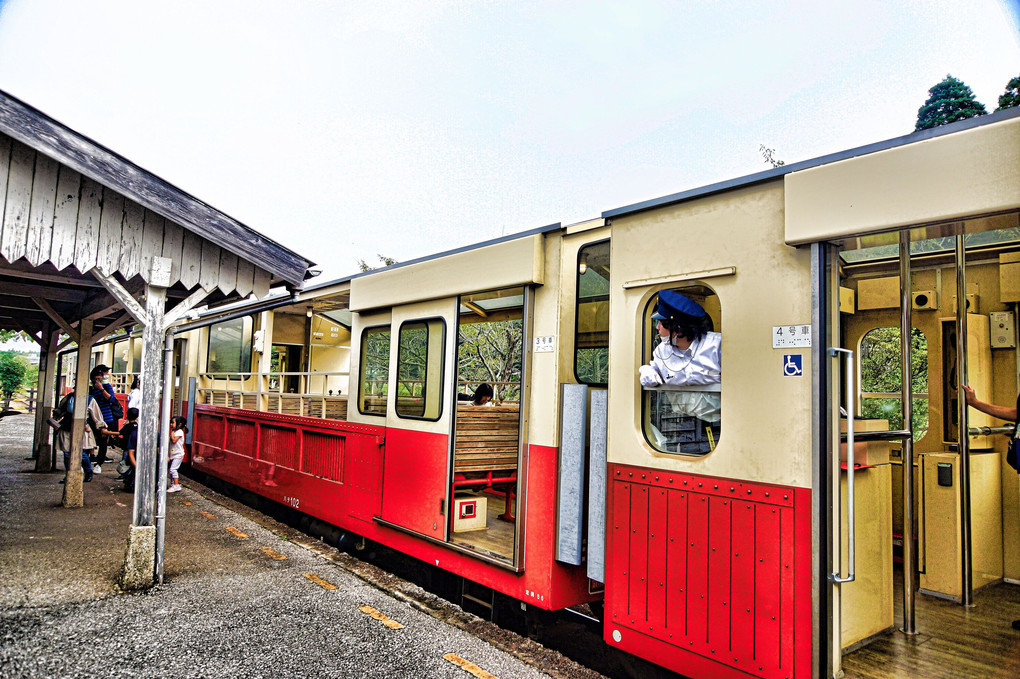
[[101, 390]]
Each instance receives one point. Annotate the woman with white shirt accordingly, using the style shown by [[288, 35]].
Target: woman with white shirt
[[135, 395]]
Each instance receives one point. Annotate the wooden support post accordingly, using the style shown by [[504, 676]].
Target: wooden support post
[[47, 373], [148, 420], [73, 491]]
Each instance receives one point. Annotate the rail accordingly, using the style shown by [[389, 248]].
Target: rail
[[309, 394]]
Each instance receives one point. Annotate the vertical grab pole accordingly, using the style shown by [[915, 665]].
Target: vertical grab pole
[[906, 397], [851, 523], [967, 598]]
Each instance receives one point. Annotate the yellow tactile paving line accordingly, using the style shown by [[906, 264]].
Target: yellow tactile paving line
[[469, 666], [237, 533], [320, 582], [273, 554], [389, 622], [208, 515]]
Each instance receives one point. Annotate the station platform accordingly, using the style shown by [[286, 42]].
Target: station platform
[[242, 596]]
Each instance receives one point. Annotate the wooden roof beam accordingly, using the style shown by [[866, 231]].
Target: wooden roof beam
[[56, 318], [48, 292], [121, 295]]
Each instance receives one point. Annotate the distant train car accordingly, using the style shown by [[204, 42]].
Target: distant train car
[[746, 523]]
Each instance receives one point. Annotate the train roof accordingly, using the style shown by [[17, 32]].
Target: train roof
[[775, 173]]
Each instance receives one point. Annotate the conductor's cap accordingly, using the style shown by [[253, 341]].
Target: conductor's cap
[[674, 306]]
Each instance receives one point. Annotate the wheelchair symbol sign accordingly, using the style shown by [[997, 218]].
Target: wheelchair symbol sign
[[793, 365]]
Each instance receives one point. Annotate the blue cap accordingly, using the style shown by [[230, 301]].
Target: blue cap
[[673, 305]]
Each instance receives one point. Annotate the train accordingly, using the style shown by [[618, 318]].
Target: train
[[853, 294]]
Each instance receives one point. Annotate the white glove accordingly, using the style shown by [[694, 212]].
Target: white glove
[[649, 376]]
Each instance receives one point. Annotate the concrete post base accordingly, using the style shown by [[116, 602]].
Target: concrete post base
[[74, 495], [140, 562]]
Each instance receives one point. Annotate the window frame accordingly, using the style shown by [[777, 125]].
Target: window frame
[[647, 340], [361, 367], [577, 315], [249, 340], [426, 322], [915, 396]]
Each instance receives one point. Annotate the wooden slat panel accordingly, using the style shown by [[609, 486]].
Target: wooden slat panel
[[110, 229], [19, 194], [676, 583], [209, 273], [228, 271], [173, 248], [40, 216], [245, 277], [638, 582], [260, 286], [658, 536], [5, 169], [191, 260], [742, 572], [152, 241], [86, 242], [65, 218], [697, 573], [131, 241], [618, 567], [719, 574], [768, 585]]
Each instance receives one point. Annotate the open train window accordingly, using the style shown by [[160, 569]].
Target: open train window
[[230, 346], [420, 369], [681, 371], [591, 330], [375, 370], [880, 378]]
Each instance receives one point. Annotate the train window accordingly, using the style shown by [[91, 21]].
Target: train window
[[681, 370], [121, 357], [880, 378], [230, 346], [420, 369], [591, 318], [375, 370]]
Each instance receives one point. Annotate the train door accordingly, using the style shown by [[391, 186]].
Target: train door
[[916, 508], [180, 358], [418, 417], [487, 483]]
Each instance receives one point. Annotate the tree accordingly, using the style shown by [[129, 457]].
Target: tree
[[12, 375], [363, 266], [1011, 97], [770, 156], [490, 351], [948, 101]]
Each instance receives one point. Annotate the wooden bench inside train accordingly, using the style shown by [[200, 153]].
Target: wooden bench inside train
[[486, 440]]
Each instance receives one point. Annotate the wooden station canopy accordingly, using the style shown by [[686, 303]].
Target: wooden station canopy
[[75, 213]]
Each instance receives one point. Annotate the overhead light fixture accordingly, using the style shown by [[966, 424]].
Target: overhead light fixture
[[309, 312], [583, 266]]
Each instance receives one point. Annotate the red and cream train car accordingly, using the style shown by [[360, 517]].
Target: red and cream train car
[[726, 558]]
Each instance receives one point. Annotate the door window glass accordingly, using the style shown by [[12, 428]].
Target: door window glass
[[420, 369], [375, 370], [591, 336]]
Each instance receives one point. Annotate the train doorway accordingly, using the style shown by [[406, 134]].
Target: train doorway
[[914, 507]]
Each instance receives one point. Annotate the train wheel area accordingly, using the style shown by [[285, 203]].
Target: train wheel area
[[238, 599]]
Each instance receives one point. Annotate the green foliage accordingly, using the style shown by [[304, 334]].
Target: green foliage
[[6, 335], [1011, 97], [12, 373], [491, 352], [948, 101], [881, 374], [363, 266], [769, 155]]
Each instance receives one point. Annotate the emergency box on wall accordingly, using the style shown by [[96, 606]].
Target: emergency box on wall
[[468, 514]]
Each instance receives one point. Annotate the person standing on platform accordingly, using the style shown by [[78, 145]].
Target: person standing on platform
[[178, 428], [102, 391], [135, 395], [1003, 413]]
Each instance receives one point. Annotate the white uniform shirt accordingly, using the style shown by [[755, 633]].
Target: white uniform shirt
[[177, 444], [698, 365], [135, 398]]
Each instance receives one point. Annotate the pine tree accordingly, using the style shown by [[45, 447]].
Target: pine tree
[[949, 101], [1011, 97]]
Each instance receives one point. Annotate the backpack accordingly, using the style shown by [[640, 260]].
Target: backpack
[[116, 409], [66, 412]]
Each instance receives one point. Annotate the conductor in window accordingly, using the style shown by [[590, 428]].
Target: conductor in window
[[686, 366]]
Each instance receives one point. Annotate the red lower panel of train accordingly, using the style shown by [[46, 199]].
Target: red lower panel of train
[[708, 576], [341, 472]]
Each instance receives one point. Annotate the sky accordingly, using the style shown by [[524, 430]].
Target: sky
[[347, 130]]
